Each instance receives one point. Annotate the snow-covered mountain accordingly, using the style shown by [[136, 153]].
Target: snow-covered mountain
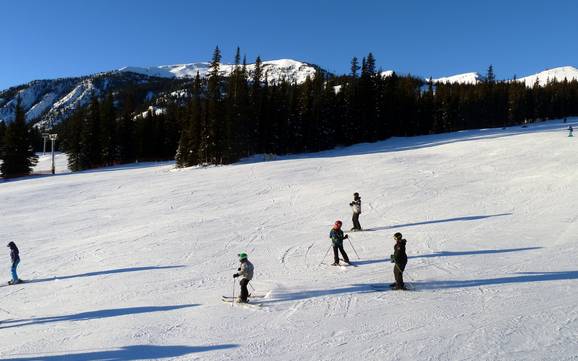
[[559, 74], [47, 101], [130, 262], [273, 71], [466, 78]]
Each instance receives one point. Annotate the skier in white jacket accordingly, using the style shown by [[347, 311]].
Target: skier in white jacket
[[245, 271], [356, 207]]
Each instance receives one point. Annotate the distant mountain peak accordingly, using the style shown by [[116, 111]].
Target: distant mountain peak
[[559, 74]]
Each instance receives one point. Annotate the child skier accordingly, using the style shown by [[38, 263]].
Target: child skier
[[15, 257], [399, 257], [246, 271], [356, 207], [337, 238], [570, 130]]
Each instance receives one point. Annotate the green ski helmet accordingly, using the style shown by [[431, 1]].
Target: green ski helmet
[[242, 256]]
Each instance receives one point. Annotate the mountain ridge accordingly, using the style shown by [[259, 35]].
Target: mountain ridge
[[49, 101]]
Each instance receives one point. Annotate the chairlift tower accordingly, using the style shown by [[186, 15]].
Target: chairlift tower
[[53, 137], [45, 137]]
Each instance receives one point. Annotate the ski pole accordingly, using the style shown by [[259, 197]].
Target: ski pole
[[407, 275], [252, 287], [320, 263], [234, 284], [351, 243]]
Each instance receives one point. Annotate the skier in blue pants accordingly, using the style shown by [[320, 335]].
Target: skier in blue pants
[[15, 257]]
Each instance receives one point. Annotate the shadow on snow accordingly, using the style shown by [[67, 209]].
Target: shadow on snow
[[522, 277], [307, 294], [370, 261], [105, 272], [93, 315], [473, 253], [448, 254], [456, 219], [129, 353]]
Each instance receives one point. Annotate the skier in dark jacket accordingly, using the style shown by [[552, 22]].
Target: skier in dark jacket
[[356, 207], [399, 257], [337, 238], [15, 257], [245, 271]]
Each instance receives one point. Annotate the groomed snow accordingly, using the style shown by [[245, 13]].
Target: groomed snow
[[130, 262]]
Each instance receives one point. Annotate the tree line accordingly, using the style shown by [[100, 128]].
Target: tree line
[[224, 119]]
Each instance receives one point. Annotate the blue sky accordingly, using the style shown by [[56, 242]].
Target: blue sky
[[58, 38]]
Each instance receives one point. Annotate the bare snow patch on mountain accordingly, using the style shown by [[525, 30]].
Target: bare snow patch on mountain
[[80, 95], [151, 110], [387, 73], [45, 103]]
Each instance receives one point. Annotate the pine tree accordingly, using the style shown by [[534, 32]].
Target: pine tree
[[71, 143], [354, 67], [107, 136], [90, 155], [189, 142], [2, 133], [236, 111], [370, 64], [490, 76], [126, 131], [214, 124], [256, 97], [17, 153], [368, 100]]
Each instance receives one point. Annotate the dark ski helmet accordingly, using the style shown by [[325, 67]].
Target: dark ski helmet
[[338, 223], [11, 245], [356, 194], [397, 235], [242, 256]]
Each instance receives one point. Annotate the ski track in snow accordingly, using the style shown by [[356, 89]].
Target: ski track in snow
[[139, 256]]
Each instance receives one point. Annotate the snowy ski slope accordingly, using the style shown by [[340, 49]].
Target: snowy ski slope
[[130, 263]]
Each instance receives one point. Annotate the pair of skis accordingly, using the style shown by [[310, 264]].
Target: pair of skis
[[229, 299], [390, 287]]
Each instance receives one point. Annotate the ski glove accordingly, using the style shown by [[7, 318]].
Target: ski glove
[[235, 275], [346, 236], [392, 258]]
